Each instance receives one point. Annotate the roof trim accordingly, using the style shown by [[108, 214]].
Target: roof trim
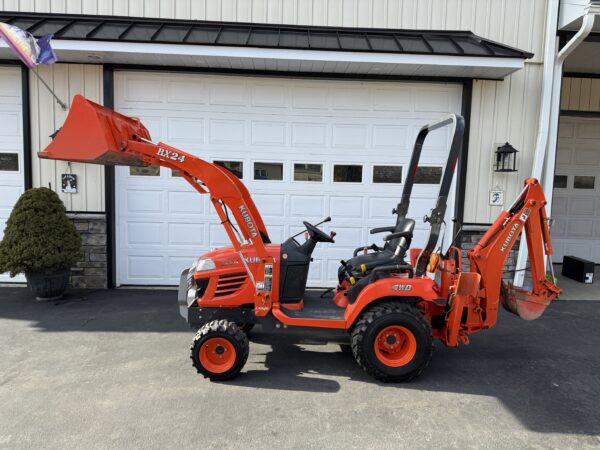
[[262, 36]]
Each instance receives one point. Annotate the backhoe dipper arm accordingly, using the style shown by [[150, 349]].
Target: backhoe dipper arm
[[487, 258], [97, 135]]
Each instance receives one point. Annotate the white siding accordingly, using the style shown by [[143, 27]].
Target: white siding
[[501, 111], [47, 116], [580, 94]]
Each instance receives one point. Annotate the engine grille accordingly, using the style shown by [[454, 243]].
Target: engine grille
[[230, 284]]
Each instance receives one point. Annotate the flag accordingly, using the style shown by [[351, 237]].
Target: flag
[[25, 46]]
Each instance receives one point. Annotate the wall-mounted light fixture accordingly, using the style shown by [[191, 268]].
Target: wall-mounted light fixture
[[506, 158]]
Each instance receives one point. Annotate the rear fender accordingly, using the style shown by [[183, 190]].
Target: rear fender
[[392, 287]]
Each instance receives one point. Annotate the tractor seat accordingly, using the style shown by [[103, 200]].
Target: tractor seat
[[384, 257]]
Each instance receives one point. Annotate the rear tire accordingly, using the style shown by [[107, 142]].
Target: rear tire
[[392, 342], [219, 350]]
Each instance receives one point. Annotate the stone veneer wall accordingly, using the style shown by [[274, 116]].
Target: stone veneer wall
[[91, 271], [471, 237]]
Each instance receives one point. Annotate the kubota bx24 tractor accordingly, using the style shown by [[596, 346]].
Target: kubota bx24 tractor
[[392, 300]]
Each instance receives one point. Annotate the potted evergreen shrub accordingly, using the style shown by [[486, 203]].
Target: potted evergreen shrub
[[40, 241]]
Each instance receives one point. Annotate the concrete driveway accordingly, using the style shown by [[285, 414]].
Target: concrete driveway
[[111, 369]]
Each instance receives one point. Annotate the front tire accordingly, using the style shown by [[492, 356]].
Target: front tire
[[392, 342], [219, 350]]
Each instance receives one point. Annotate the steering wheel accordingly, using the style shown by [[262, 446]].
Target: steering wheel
[[319, 235]]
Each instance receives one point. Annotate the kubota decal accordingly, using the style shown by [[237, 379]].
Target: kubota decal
[[509, 238], [248, 220], [174, 156]]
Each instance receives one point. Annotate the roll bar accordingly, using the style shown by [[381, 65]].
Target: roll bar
[[439, 211]]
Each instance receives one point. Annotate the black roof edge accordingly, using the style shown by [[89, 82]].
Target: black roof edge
[[507, 51]]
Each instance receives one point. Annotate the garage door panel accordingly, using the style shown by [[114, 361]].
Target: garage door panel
[[254, 120], [232, 93], [575, 210], [309, 135], [582, 206], [587, 156], [192, 91], [227, 131], [186, 234], [307, 206], [389, 136], [186, 203], [272, 133], [144, 268], [144, 201], [11, 147], [346, 207], [269, 95], [186, 130], [144, 233], [580, 228]]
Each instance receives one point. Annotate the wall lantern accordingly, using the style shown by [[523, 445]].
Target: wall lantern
[[506, 158]]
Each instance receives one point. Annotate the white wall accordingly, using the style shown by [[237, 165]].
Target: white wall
[[580, 94], [501, 111], [47, 116]]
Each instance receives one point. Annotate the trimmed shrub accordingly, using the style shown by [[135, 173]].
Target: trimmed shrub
[[39, 236]]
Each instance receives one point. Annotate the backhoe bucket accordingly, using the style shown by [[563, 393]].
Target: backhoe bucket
[[525, 304], [95, 134]]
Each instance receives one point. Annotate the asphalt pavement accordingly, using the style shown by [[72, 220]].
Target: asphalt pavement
[[111, 369]]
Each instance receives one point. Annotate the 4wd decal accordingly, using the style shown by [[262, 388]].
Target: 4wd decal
[[402, 287], [249, 224], [169, 154], [510, 236]]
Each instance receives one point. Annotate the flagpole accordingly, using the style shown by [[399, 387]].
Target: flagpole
[[58, 100]]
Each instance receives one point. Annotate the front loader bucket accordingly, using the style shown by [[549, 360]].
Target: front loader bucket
[[95, 134], [525, 304]]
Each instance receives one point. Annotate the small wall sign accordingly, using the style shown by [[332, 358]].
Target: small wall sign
[[496, 197], [69, 183]]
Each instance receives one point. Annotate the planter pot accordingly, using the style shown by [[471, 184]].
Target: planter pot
[[48, 285]]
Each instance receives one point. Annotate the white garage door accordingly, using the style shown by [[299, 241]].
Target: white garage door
[[576, 202], [306, 149], [11, 147]]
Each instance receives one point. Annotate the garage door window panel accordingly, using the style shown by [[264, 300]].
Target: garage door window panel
[[387, 174], [308, 172], [235, 167], [560, 181], [428, 175], [584, 182], [9, 162], [347, 173], [268, 171], [149, 171]]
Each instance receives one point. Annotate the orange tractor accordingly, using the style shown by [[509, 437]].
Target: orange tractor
[[391, 307]]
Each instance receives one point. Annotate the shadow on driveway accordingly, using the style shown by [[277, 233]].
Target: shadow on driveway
[[544, 372]]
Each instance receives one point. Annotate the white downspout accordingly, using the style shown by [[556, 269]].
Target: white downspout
[[543, 168]]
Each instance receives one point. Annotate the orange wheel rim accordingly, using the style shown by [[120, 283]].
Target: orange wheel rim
[[395, 346], [217, 355]]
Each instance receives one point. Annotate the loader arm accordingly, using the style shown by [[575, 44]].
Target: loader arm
[[97, 135]]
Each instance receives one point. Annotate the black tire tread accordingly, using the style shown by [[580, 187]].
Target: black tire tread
[[364, 322], [220, 327]]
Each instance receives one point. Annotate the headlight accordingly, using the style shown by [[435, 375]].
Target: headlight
[[205, 264]]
